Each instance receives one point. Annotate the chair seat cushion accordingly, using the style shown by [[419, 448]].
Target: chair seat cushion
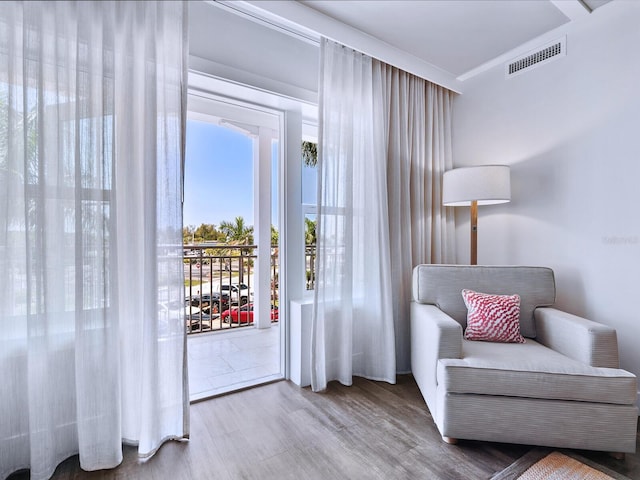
[[534, 371]]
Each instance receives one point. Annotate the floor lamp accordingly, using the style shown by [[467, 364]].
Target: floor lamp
[[473, 186]]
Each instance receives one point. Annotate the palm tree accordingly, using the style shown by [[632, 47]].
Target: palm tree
[[18, 145], [310, 250], [238, 233], [310, 154], [309, 231]]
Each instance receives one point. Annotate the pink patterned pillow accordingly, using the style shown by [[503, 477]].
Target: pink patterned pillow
[[492, 318]]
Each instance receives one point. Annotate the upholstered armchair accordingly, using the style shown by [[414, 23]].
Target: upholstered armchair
[[562, 387]]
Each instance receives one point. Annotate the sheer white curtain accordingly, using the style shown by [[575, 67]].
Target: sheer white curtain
[[92, 340], [353, 331], [384, 143]]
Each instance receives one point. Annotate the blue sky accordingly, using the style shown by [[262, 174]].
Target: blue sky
[[219, 176]]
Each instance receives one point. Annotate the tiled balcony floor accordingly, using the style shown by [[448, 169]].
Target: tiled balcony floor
[[220, 362]]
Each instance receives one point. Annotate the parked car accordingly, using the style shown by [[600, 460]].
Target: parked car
[[238, 292], [244, 314], [199, 318], [217, 301]]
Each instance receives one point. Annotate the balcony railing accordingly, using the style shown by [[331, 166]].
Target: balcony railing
[[310, 266], [219, 285]]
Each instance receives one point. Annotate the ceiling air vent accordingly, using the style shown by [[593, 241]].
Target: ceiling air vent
[[536, 58]]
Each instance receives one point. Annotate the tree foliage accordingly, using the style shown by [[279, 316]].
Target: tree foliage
[[237, 232], [309, 231], [310, 153], [206, 232], [233, 233]]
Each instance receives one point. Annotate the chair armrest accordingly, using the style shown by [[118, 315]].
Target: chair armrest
[[576, 337], [434, 335]]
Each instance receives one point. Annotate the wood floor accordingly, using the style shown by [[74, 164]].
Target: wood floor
[[371, 430]]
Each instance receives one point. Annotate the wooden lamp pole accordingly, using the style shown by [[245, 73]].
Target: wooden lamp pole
[[474, 232]]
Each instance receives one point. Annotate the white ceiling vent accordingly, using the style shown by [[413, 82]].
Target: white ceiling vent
[[536, 58]]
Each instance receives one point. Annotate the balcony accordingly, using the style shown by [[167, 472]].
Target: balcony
[[225, 351], [220, 362]]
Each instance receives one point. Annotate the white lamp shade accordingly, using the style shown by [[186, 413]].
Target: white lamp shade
[[486, 184]]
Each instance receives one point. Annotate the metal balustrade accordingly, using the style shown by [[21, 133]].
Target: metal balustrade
[[219, 285]]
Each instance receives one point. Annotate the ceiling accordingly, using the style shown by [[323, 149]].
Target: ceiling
[[455, 37]]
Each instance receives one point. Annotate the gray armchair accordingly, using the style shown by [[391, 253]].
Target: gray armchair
[[561, 388]]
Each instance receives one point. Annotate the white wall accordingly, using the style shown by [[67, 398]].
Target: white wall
[[571, 132]]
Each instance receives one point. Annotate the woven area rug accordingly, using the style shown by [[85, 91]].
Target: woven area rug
[[545, 464]]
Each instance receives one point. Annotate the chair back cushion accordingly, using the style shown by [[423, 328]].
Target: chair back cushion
[[442, 285]]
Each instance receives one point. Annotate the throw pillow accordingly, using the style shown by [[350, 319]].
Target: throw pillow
[[492, 318]]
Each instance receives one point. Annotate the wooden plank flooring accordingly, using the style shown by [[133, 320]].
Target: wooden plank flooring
[[371, 430]]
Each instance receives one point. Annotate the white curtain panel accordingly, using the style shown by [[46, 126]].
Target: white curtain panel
[[417, 133], [353, 331], [92, 337], [385, 140]]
